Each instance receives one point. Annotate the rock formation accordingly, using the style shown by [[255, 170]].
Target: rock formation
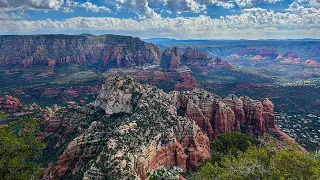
[[248, 52], [257, 55], [131, 129], [192, 54], [219, 63], [14, 109], [10, 104], [292, 58], [141, 75], [263, 53], [187, 83], [97, 51], [312, 62], [171, 58], [269, 53], [178, 78]]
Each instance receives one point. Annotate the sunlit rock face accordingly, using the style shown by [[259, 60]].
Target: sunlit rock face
[[97, 51], [131, 129]]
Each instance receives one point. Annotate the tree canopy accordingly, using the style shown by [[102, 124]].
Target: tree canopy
[[20, 150], [257, 161]]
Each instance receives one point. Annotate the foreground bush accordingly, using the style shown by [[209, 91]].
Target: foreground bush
[[260, 161], [20, 151]]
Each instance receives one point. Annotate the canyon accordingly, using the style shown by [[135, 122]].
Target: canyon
[[126, 107]]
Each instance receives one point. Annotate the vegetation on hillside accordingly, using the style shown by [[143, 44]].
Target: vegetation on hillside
[[162, 173], [20, 150], [235, 156]]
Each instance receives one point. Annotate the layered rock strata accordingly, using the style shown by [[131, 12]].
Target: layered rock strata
[[98, 51], [131, 129]]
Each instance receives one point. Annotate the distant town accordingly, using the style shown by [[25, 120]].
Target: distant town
[[305, 129]]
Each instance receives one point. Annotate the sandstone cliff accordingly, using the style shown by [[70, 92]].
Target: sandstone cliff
[[192, 54], [97, 51], [131, 129], [172, 58]]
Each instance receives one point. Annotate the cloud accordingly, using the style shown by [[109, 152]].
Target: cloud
[[252, 23], [66, 6], [11, 15], [299, 9], [315, 3], [250, 3], [87, 5], [32, 4], [194, 6], [94, 8], [312, 3], [67, 10]]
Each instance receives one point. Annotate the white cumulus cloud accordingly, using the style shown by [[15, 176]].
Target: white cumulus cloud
[[94, 8], [313, 3], [195, 6], [33, 4], [252, 23]]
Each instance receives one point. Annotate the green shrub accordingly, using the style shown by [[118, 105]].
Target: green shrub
[[20, 151], [162, 173], [262, 161]]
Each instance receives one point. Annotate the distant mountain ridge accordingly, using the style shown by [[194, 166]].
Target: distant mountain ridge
[[98, 51], [307, 48]]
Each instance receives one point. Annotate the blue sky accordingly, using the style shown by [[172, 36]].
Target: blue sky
[[180, 19]]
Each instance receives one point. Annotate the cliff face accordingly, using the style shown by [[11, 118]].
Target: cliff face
[[10, 104], [218, 116], [192, 54], [131, 129], [104, 50], [171, 58]]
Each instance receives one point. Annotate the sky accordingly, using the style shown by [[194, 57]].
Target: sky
[[179, 19]]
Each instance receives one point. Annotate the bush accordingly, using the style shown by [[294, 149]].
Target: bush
[[20, 151], [162, 173], [263, 161]]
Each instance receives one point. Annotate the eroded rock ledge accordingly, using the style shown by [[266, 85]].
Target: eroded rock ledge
[[131, 129]]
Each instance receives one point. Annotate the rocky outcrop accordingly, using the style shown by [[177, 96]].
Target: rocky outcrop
[[205, 65], [10, 104], [292, 58], [261, 54], [291, 55], [218, 116], [248, 52], [178, 78], [219, 63], [191, 57], [141, 75], [200, 60], [97, 51], [312, 62], [131, 129], [14, 109], [269, 53], [187, 83], [192, 54], [171, 58]]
